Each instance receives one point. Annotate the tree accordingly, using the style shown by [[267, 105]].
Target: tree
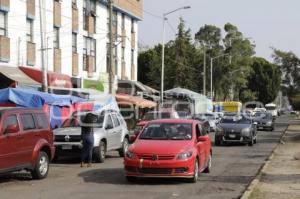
[[241, 51], [264, 80], [290, 67]]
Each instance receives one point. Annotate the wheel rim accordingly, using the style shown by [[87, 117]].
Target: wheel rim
[[43, 168], [196, 170]]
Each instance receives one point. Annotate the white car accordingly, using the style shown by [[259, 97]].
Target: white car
[[110, 133]]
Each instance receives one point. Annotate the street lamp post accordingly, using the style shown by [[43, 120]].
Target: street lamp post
[[211, 72], [163, 51]]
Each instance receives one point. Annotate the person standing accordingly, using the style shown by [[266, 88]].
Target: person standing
[[87, 136]]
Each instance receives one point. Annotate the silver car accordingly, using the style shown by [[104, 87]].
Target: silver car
[[110, 133]]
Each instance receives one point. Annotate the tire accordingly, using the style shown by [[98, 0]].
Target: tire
[[41, 168], [251, 142], [209, 163], [131, 178], [124, 148], [100, 152], [194, 179]]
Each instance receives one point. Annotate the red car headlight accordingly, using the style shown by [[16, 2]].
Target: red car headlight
[[184, 156], [130, 155]]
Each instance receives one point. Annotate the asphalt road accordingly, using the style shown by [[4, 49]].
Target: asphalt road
[[233, 169]]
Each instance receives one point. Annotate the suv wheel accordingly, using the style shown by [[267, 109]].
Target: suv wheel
[[100, 152], [124, 148], [41, 168]]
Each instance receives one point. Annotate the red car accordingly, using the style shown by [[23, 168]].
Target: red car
[[169, 148], [26, 141]]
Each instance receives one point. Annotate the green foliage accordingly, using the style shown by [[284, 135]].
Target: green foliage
[[234, 69], [289, 64], [264, 80]]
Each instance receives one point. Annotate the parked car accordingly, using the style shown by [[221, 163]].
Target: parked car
[[236, 128], [26, 141], [265, 121], [210, 117], [110, 133], [154, 115], [169, 148]]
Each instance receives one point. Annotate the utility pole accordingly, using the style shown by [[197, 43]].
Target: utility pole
[[111, 47], [44, 70], [204, 72]]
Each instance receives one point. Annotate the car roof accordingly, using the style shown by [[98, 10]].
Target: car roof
[[186, 121]]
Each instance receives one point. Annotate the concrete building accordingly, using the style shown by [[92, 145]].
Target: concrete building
[[76, 38]]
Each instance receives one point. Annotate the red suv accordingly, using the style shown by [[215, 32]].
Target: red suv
[[26, 141]]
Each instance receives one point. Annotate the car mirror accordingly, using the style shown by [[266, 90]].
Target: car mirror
[[202, 138], [14, 128]]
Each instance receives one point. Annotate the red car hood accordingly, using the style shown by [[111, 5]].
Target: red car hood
[[163, 147]]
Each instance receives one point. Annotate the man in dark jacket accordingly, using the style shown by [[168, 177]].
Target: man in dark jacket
[[87, 135]]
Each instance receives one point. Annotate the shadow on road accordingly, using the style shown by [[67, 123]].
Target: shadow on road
[[14, 177], [116, 176]]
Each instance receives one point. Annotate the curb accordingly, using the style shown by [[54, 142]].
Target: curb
[[257, 177]]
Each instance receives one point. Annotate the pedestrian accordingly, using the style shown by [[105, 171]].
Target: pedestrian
[[87, 136]]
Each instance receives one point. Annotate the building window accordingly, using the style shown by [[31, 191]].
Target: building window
[[74, 42], [93, 7], [3, 23], [123, 21], [56, 37], [29, 30], [89, 49]]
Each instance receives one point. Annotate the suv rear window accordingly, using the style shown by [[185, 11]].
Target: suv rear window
[[41, 120], [27, 121]]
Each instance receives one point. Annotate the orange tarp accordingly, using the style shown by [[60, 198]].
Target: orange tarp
[[140, 102]]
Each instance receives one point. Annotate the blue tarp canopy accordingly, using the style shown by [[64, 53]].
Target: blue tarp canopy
[[35, 99]]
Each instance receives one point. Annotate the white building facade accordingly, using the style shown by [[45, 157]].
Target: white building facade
[[76, 38]]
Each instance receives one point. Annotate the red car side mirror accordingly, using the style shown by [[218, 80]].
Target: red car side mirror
[[202, 138], [14, 128]]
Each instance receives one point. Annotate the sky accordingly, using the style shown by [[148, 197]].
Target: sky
[[269, 23]]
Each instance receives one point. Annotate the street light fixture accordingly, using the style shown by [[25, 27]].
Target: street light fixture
[[163, 50]]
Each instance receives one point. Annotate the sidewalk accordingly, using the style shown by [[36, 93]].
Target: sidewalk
[[280, 177]]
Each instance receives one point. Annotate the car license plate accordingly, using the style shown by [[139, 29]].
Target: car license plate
[[232, 135], [66, 147]]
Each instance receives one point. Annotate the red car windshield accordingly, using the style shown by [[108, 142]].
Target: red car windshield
[[167, 131]]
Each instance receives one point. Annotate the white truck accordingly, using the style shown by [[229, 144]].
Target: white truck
[[272, 108]]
